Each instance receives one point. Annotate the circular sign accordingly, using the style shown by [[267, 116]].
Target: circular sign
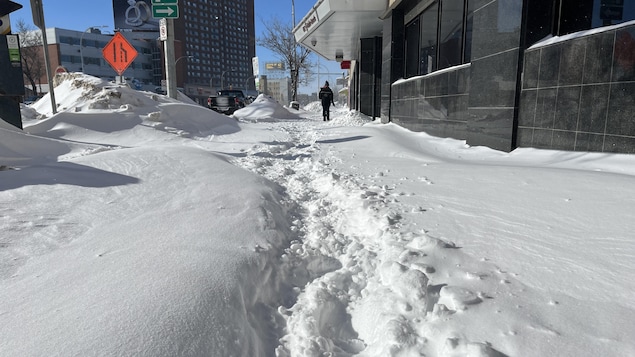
[[12, 41]]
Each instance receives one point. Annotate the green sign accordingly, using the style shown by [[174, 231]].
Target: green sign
[[14, 48], [163, 2], [165, 11]]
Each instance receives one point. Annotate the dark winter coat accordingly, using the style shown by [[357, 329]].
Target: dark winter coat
[[326, 95]]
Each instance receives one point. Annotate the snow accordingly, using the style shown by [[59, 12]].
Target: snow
[[137, 225], [550, 40]]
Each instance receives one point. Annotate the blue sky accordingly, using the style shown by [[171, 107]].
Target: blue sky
[[80, 14]]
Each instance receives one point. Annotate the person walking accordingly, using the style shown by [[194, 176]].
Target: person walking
[[326, 95]]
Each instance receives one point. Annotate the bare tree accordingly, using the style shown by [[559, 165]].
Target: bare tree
[[278, 37], [33, 65]]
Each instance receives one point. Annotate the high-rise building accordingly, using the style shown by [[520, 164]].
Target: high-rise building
[[220, 37], [214, 41]]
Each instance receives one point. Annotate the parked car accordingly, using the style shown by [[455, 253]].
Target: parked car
[[227, 101]]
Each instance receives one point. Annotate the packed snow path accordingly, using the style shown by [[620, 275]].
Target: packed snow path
[[351, 244], [403, 251]]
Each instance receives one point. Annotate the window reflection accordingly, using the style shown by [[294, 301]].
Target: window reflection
[[451, 33], [440, 37], [612, 12], [580, 15], [428, 40], [412, 48]]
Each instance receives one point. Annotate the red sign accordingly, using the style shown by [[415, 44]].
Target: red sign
[[345, 65], [119, 53]]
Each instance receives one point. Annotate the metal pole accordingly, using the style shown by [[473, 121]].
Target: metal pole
[[170, 65], [318, 63], [294, 75], [38, 19]]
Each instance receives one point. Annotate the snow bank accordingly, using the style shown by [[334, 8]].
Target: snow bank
[[263, 108], [90, 107]]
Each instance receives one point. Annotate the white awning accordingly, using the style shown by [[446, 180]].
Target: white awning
[[333, 28]]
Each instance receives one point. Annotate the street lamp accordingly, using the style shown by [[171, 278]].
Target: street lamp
[[319, 68], [247, 81], [81, 42], [222, 77], [180, 58], [177, 62]]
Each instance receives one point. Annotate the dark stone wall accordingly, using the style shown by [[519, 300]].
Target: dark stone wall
[[496, 46], [370, 76], [578, 94], [476, 102], [436, 103], [392, 65]]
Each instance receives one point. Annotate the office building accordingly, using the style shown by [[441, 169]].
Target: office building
[[552, 74], [214, 41]]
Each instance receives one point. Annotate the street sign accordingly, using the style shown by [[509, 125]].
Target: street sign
[[163, 29], [165, 11], [38, 13], [162, 2], [119, 53]]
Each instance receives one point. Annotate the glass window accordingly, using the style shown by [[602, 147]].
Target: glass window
[[612, 12], [469, 21], [428, 40], [575, 15], [450, 33], [412, 48]]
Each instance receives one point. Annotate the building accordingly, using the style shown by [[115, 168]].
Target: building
[[553, 74], [220, 37], [279, 89], [67, 48]]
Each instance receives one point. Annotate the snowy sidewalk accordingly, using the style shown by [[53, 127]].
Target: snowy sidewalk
[[136, 225]]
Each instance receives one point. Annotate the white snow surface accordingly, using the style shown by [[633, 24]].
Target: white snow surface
[[137, 225]]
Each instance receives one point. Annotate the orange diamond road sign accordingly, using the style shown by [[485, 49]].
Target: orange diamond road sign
[[119, 53]]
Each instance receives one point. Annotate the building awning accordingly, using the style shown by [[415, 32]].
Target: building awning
[[333, 28], [7, 7]]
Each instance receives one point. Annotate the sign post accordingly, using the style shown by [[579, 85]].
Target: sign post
[[119, 54], [170, 64], [38, 20], [167, 11]]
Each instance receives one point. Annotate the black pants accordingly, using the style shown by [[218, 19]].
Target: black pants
[[326, 111]]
